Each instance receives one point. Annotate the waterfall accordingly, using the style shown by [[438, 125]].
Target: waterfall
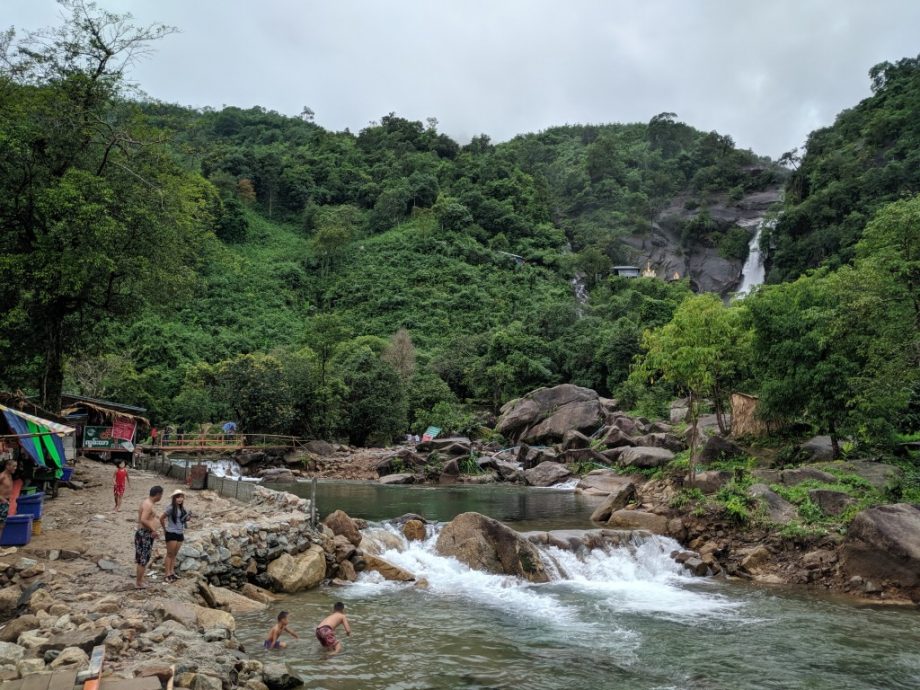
[[753, 272], [638, 576]]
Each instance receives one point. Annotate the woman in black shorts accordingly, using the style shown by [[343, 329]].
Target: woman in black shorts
[[174, 520]]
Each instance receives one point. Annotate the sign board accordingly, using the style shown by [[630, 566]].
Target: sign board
[[101, 437], [431, 433], [123, 428]]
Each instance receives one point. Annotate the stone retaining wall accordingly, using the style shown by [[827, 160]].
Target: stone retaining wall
[[239, 550]]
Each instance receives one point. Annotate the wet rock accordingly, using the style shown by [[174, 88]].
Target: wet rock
[[831, 502], [486, 544], [257, 594], [72, 658], [340, 523], [696, 566], [388, 570], [720, 448], [616, 500], [547, 474], [401, 478], [644, 456], [297, 573], [778, 509], [277, 676], [883, 545], [347, 571], [414, 530], [638, 519]]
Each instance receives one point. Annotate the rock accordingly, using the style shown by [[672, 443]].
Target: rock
[[399, 462], [818, 448], [347, 571], [720, 448], [486, 544], [628, 425], [883, 545], [616, 500], [509, 471], [778, 509], [831, 502], [9, 599], [575, 439], [258, 594], [10, 654], [450, 468], [448, 445], [84, 639], [72, 658], [171, 610], [236, 603], [638, 519], [344, 549], [645, 456], [27, 667], [318, 447], [277, 676], [38, 599], [757, 559], [696, 566], [340, 523], [679, 410], [819, 558], [880, 475], [387, 569], [797, 475], [207, 619], [216, 635], [401, 478], [14, 628], [606, 481], [414, 530], [546, 414], [662, 440], [297, 573], [708, 482], [547, 474]]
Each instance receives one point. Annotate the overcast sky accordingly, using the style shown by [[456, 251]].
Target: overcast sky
[[765, 72]]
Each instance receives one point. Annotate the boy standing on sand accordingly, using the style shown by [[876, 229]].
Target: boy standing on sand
[[325, 631], [274, 635]]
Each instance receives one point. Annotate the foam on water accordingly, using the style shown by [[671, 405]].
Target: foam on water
[[638, 577]]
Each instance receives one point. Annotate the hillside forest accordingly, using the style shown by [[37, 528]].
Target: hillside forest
[[242, 264]]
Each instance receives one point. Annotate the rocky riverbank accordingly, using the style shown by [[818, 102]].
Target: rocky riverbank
[[72, 587]]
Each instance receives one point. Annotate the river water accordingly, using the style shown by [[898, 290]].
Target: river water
[[622, 617]]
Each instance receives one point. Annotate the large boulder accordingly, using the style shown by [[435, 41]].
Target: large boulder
[[296, 573], [818, 448], [719, 448], [486, 544], [797, 475], [388, 570], [603, 482], [638, 519], [277, 675], [340, 523], [544, 415], [777, 508], [616, 500], [661, 440], [645, 456], [547, 474], [575, 439], [883, 545], [880, 475], [831, 502], [708, 482], [400, 461], [615, 437], [401, 478]]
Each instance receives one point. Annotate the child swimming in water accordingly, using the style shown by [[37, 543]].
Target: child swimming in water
[[274, 635]]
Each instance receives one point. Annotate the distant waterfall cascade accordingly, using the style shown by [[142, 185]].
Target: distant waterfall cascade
[[753, 272]]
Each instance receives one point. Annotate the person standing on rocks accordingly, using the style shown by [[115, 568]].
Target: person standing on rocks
[[325, 631], [6, 491], [120, 484], [147, 526], [174, 521]]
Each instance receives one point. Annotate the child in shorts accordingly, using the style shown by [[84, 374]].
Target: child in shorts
[[274, 635]]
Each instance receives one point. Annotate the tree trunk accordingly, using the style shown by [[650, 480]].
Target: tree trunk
[[693, 410], [835, 440], [720, 411], [53, 372]]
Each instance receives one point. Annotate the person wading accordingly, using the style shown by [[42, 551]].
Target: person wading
[[174, 521], [147, 527]]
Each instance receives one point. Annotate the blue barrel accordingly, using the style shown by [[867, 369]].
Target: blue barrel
[[30, 504], [17, 531]]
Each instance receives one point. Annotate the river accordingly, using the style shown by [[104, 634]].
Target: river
[[616, 618]]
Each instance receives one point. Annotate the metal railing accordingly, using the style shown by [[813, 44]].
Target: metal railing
[[197, 441]]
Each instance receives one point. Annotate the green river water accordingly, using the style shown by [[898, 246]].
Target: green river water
[[621, 618]]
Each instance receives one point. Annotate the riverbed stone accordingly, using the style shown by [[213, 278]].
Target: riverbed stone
[[616, 500], [14, 628], [340, 523], [778, 509], [71, 658], [638, 519], [388, 570], [278, 676], [414, 530], [883, 545], [296, 573], [575, 439], [547, 474], [757, 559], [234, 602], [483, 543], [257, 594], [400, 478]]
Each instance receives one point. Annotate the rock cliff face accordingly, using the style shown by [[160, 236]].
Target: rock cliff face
[[708, 271]]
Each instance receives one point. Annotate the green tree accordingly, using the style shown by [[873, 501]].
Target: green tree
[[374, 404], [254, 388]]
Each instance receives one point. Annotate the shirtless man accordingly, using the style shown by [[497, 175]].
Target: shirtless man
[[325, 631], [6, 491], [147, 526]]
